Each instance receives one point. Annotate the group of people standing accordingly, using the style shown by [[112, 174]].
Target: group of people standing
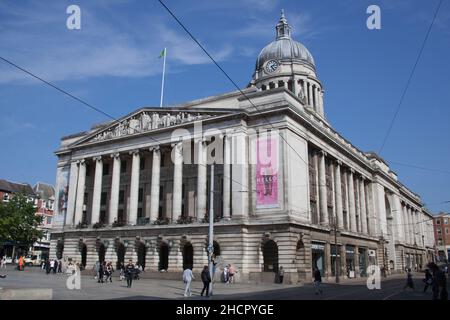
[[50, 265], [103, 271]]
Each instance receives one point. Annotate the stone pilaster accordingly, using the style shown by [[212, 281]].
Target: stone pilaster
[[115, 186], [134, 187], [96, 197]]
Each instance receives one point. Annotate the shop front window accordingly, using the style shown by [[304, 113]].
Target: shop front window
[[335, 259], [318, 257], [362, 262], [350, 261]]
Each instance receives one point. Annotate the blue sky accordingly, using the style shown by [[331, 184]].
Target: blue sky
[[112, 63]]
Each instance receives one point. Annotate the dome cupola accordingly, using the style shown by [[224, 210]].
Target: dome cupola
[[286, 62]]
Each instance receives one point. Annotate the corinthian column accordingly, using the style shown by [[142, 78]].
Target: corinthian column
[[80, 191], [323, 189], [310, 98], [362, 196], [96, 197], [115, 186], [177, 180], [154, 188], [227, 178], [351, 201], [72, 193], [338, 195], [134, 187], [201, 179]]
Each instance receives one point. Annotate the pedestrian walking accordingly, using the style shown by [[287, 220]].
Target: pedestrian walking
[[232, 272], [129, 273], [428, 280], [21, 263], [47, 266], [52, 265], [188, 276], [3, 263], [109, 271], [206, 279], [317, 281], [55, 267], [59, 266], [121, 271], [409, 281]]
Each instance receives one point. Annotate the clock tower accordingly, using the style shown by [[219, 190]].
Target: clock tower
[[287, 63]]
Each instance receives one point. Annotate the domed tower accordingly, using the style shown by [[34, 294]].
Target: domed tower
[[287, 63]]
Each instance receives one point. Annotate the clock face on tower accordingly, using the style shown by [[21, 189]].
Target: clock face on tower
[[271, 66]]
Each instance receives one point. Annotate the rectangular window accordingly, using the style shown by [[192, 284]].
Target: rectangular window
[[141, 195], [49, 220], [85, 199], [103, 199], [445, 221], [120, 216], [162, 159], [105, 169], [438, 221], [446, 230], [88, 170], [439, 231], [102, 216], [140, 213], [123, 167], [121, 196], [142, 164], [161, 193]]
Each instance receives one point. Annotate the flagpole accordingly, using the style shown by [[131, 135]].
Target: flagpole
[[163, 74]]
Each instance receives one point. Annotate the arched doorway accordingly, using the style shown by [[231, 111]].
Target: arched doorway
[[216, 248], [59, 249], [101, 252], [83, 255], [163, 257], [120, 255], [188, 256], [141, 253], [270, 255]]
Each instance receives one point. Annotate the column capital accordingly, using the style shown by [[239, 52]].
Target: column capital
[[338, 162], [97, 158], [81, 161], [323, 153], [177, 144], [134, 152], [115, 155], [154, 148], [352, 171]]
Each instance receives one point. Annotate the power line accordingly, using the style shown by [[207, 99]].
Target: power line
[[410, 78], [57, 88], [419, 167]]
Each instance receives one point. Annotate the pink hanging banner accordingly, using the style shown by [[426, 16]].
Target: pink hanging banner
[[267, 172]]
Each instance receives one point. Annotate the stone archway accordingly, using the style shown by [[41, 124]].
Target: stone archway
[[270, 256], [163, 263], [188, 256], [141, 251]]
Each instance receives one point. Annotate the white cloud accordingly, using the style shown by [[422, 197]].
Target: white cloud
[[37, 39]]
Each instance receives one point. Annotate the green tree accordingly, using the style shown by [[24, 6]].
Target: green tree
[[18, 221]]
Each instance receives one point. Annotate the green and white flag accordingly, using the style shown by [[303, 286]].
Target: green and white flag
[[163, 53]]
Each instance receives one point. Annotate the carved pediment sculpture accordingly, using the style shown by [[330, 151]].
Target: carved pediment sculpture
[[146, 121]]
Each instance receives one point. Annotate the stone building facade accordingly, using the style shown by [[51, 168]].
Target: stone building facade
[[286, 185]]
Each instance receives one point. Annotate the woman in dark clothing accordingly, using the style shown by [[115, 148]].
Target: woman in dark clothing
[[428, 280], [206, 279], [317, 281]]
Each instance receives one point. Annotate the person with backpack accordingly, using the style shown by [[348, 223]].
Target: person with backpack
[[206, 279]]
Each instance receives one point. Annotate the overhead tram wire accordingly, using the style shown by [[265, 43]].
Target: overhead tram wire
[[58, 88], [82, 101], [419, 167], [227, 76], [410, 78]]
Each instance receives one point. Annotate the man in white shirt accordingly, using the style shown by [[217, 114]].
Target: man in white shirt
[[52, 265], [188, 276]]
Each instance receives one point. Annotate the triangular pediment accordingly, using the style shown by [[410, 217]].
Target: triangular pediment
[[150, 119]]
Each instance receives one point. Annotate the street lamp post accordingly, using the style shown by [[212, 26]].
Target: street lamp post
[[211, 230], [337, 261]]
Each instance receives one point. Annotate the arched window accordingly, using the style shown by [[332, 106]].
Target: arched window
[[101, 253], [163, 257], [120, 254], [141, 253], [83, 255], [188, 256], [270, 254]]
